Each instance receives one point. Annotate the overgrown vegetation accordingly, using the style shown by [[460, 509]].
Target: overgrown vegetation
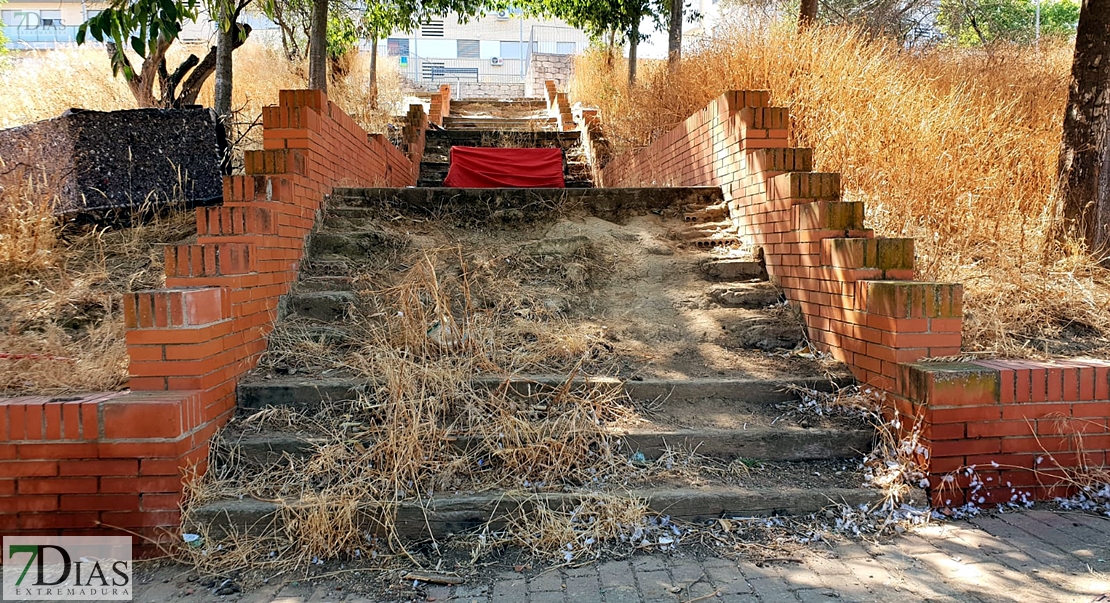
[[957, 148], [61, 320], [60, 314], [75, 78]]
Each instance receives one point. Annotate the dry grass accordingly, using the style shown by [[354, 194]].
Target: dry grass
[[954, 147], [423, 426], [61, 322], [28, 232], [62, 326], [42, 84]]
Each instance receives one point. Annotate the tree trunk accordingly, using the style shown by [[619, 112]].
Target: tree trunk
[[225, 43], [633, 45], [318, 47], [1083, 193], [374, 71], [141, 82], [191, 88], [807, 16], [674, 34], [611, 49]]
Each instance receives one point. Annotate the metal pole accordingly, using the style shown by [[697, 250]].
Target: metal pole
[[520, 45]]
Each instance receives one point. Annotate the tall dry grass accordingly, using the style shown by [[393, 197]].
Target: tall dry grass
[[43, 84], [957, 148]]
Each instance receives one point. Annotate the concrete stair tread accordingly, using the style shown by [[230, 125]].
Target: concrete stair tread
[[515, 203], [732, 269], [256, 392], [778, 443], [754, 294], [462, 512]]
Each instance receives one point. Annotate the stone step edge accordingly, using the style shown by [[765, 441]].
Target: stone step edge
[[457, 514], [755, 391], [772, 444]]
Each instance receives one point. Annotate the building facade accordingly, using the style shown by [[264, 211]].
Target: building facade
[[494, 55]]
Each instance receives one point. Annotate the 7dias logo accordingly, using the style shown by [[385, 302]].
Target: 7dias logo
[[61, 568]]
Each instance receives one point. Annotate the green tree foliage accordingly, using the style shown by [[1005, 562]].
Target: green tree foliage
[[977, 22], [608, 20], [3, 40], [149, 28], [144, 25]]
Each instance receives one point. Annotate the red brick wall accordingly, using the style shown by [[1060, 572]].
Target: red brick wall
[[860, 302], [118, 460], [440, 106]]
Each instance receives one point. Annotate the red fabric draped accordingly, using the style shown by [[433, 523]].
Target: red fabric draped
[[482, 167]]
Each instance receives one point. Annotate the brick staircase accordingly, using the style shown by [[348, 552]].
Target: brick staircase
[[729, 416], [298, 241]]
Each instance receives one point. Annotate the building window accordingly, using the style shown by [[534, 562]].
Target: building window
[[511, 50], [432, 29], [51, 19], [469, 49], [397, 47], [565, 47], [23, 19]]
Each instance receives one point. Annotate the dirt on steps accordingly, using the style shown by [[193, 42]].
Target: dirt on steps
[[627, 290]]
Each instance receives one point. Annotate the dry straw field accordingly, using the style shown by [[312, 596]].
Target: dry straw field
[[955, 147]]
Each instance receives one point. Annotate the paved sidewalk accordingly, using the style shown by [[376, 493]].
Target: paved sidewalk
[[1029, 556]]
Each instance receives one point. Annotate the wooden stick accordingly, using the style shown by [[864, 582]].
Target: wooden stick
[[433, 578]]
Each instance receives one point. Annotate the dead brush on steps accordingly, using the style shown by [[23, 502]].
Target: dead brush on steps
[[396, 444], [955, 147]]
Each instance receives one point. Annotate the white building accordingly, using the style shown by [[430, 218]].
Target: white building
[[487, 56]]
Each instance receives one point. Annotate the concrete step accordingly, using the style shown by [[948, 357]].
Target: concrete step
[[732, 270], [692, 231], [778, 443], [496, 107], [751, 295], [462, 513], [485, 205], [434, 182], [325, 306], [500, 124], [308, 392]]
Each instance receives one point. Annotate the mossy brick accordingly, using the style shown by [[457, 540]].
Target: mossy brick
[[911, 299], [949, 384], [829, 215], [804, 185]]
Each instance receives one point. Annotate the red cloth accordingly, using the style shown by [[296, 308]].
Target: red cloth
[[483, 167]]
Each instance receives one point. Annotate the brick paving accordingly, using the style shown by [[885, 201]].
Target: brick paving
[[1037, 555]]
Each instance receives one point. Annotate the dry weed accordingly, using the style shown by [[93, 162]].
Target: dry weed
[[28, 231], [954, 147], [43, 84], [61, 321], [424, 425]]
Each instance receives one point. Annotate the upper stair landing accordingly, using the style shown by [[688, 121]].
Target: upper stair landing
[[502, 123]]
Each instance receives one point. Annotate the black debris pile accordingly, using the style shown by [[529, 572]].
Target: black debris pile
[[94, 160]]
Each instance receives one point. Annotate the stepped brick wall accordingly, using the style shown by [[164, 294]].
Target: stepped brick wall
[[119, 460], [558, 106], [440, 106], [993, 431]]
